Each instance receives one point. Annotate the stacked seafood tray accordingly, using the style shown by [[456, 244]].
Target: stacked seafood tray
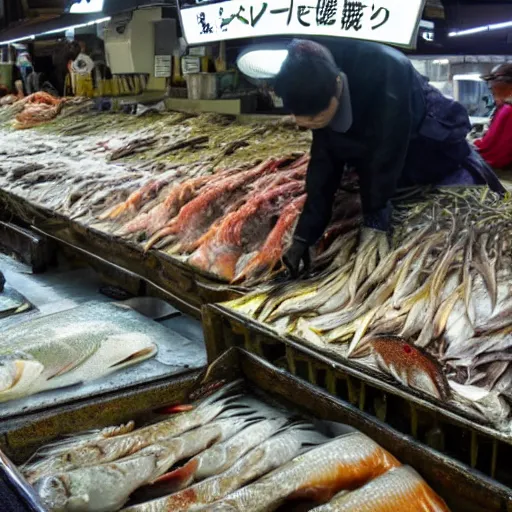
[[236, 447], [425, 316], [412, 327]]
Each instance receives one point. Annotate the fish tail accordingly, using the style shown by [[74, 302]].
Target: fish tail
[[179, 478], [175, 409], [252, 410], [222, 392], [307, 435], [163, 233]]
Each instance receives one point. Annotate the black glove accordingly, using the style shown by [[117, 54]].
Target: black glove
[[379, 220], [2, 282], [297, 253]]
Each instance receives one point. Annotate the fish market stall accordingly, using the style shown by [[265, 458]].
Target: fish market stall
[[199, 208], [255, 432], [90, 190]]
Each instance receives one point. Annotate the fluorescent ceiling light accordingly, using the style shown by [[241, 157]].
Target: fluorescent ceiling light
[[261, 63], [484, 28], [56, 31], [441, 61], [87, 6], [474, 77], [497, 26]]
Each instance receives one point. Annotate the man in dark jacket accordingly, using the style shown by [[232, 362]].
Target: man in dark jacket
[[369, 108]]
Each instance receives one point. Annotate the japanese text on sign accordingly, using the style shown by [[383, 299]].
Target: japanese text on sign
[[390, 21]]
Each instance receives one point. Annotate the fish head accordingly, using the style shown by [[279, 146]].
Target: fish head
[[56, 495], [18, 371]]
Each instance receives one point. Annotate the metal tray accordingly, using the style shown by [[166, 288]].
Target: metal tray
[[465, 490], [176, 355], [447, 430]]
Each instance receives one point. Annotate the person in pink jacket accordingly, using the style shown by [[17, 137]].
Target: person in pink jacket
[[496, 145]]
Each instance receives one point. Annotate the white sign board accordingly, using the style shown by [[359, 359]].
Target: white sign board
[[388, 21], [163, 66], [86, 6]]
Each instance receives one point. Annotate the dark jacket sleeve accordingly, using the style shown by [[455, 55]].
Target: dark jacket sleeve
[[322, 182], [392, 121]]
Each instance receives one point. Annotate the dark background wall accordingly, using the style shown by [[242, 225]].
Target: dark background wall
[[459, 15]]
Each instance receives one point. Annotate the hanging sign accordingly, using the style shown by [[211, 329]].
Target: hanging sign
[[163, 66], [85, 6], [388, 21]]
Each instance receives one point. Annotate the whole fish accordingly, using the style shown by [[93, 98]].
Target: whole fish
[[399, 490], [406, 363], [94, 485], [155, 218], [345, 463], [31, 366], [366, 259], [271, 251], [115, 352], [312, 300], [250, 303], [104, 488], [408, 250], [222, 456], [198, 215], [143, 194], [270, 455], [241, 230], [65, 456]]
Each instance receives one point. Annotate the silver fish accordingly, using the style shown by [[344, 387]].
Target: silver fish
[[270, 455]]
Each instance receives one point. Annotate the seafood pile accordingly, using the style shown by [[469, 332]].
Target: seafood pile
[[227, 212], [37, 109], [233, 225], [431, 310], [229, 452], [77, 168]]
